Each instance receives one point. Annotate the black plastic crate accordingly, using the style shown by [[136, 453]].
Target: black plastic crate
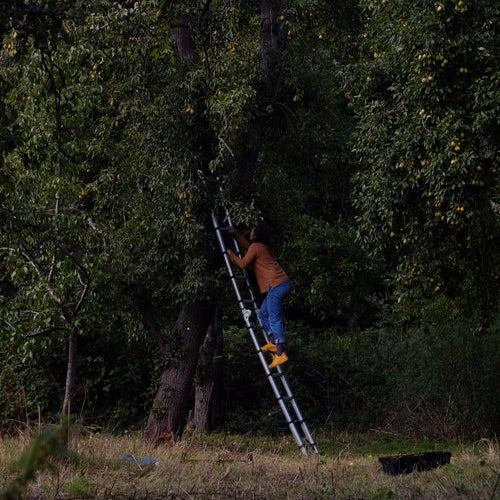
[[404, 464]]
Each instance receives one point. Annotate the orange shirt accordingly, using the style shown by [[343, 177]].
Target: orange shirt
[[267, 270]]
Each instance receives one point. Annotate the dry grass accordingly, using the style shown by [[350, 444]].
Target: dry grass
[[239, 467]]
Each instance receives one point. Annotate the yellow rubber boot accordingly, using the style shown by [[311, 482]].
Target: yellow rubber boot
[[278, 360], [269, 347]]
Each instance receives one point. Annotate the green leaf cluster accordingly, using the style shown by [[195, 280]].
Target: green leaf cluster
[[376, 165], [425, 100]]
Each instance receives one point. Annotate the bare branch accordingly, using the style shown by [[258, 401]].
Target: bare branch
[[34, 265], [92, 224], [12, 327], [82, 295], [44, 332]]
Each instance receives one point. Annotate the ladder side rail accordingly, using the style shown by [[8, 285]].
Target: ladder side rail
[[238, 252], [227, 261], [300, 418], [281, 400], [291, 397], [229, 267], [247, 279], [276, 390]]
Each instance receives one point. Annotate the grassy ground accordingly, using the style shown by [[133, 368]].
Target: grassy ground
[[248, 467]]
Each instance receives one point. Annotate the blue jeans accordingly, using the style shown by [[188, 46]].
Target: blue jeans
[[271, 311]]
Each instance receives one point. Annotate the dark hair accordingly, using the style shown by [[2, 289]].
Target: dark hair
[[262, 234]]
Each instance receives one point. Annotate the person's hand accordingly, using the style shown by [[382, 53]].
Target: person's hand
[[231, 230]]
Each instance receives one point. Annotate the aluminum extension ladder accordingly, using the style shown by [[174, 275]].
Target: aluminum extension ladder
[[250, 312]]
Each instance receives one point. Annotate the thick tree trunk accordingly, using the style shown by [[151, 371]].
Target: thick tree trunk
[[272, 42], [171, 404], [208, 406], [168, 415], [184, 38], [272, 38]]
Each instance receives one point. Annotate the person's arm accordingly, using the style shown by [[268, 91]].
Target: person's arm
[[246, 260], [242, 241]]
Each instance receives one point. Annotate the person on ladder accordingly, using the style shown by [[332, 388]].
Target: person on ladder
[[273, 283]]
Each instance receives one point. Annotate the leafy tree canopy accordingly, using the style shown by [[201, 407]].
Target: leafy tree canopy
[[425, 96]]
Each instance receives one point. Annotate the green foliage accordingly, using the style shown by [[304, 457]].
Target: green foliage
[[333, 276], [38, 456], [103, 129], [80, 487], [432, 378], [425, 99], [27, 387], [249, 392], [98, 194], [384, 494]]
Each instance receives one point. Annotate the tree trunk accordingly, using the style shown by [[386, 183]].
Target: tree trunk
[[171, 404], [208, 406], [144, 301], [272, 43], [70, 372], [168, 415], [272, 38], [184, 38]]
